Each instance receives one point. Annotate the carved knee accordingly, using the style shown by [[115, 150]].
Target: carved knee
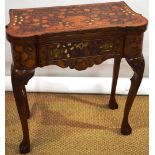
[[20, 77], [137, 64]]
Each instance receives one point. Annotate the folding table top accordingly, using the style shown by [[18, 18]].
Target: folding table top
[[38, 21]]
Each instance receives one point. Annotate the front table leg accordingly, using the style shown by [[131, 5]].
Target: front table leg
[[137, 64], [19, 80]]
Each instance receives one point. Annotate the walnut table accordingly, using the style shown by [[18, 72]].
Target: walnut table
[[78, 37]]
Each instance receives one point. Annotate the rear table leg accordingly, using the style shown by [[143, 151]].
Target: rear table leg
[[112, 102]]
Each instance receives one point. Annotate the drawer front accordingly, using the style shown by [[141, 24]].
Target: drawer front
[[67, 50], [78, 49]]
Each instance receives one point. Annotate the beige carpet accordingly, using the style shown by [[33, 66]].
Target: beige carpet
[[75, 124]]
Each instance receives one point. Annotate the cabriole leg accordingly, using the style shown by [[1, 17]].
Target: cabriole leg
[[112, 102], [19, 80], [137, 64]]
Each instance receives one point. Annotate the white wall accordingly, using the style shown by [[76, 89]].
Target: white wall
[[105, 69]]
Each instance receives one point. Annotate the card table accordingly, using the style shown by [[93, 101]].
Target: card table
[[78, 37]]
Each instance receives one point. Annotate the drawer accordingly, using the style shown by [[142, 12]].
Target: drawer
[[66, 50]]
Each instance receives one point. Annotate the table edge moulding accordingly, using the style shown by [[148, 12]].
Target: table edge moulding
[[76, 36]]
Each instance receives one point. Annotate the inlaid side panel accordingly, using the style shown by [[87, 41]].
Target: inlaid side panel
[[24, 56], [133, 45]]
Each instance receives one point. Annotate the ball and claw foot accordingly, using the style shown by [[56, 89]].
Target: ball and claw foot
[[24, 148], [126, 130], [113, 104]]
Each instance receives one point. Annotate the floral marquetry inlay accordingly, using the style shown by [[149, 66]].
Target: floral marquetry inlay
[[77, 36], [106, 47], [24, 56], [37, 21], [78, 49], [64, 50]]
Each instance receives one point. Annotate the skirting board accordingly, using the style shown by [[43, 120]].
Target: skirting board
[[95, 85]]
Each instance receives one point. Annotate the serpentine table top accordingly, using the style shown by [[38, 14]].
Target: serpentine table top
[[39, 21]]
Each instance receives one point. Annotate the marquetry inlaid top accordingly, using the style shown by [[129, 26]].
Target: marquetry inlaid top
[[37, 21]]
